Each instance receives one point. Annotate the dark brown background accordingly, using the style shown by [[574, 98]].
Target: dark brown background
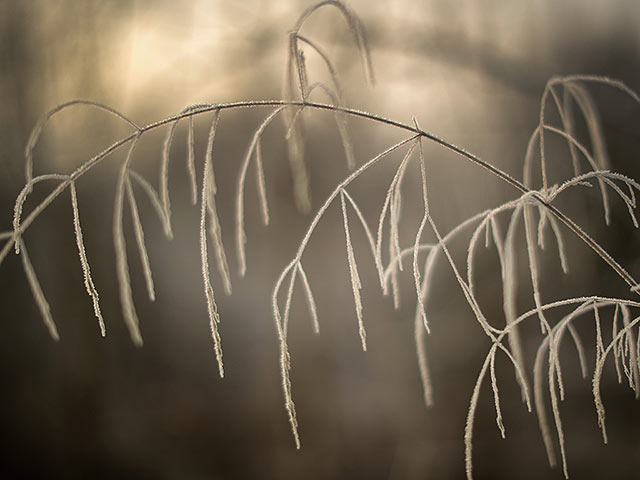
[[471, 72]]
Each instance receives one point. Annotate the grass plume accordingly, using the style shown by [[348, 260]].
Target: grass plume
[[529, 222]]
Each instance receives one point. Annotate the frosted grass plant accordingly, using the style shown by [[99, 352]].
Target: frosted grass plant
[[532, 215]]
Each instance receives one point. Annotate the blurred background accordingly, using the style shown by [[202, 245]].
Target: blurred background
[[471, 72]]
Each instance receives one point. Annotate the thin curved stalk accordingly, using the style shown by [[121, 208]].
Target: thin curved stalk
[[38, 294], [208, 190], [37, 130], [270, 103], [241, 238], [84, 262], [122, 269]]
